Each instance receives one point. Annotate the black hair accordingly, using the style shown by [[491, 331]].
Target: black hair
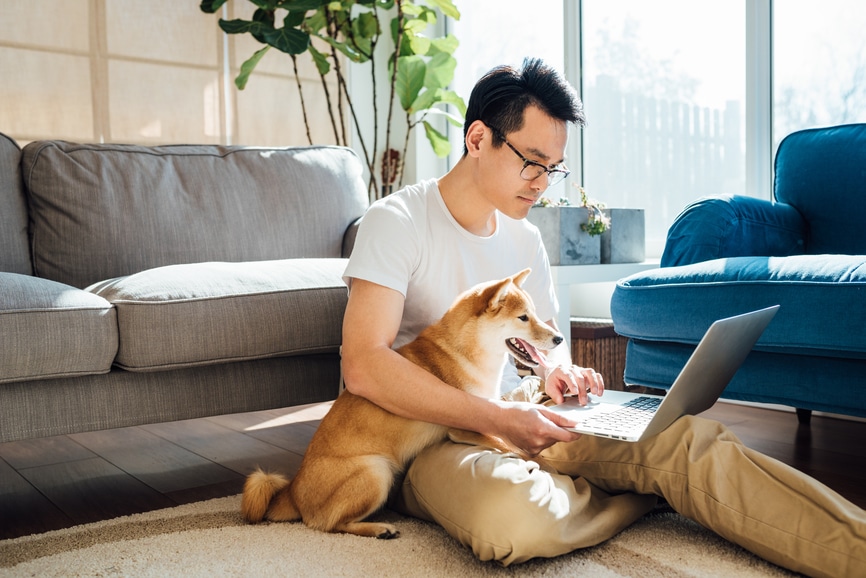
[[501, 96]]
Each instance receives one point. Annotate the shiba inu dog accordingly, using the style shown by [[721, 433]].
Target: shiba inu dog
[[359, 448]]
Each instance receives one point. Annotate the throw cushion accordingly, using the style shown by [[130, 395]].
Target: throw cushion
[[53, 330], [15, 256], [105, 211], [205, 313]]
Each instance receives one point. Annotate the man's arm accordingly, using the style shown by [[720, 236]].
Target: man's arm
[[373, 370]]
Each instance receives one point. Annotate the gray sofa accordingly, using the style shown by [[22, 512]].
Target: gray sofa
[[149, 284]]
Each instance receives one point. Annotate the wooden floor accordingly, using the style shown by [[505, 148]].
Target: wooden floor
[[61, 481]]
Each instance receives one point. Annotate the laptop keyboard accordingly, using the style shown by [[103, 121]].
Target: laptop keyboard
[[635, 413]]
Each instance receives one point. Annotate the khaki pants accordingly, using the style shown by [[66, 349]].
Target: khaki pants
[[508, 509]]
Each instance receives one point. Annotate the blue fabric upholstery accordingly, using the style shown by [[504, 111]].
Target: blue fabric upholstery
[[734, 226], [727, 255], [822, 172]]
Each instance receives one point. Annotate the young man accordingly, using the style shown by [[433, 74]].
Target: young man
[[419, 248]]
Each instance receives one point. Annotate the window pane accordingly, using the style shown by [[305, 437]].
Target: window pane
[[495, 32], [819, 64], [664, 91]]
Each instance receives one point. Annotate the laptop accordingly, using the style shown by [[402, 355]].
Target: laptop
[[632, 417]]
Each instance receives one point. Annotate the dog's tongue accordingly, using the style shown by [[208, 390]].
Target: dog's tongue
[[537, 356]]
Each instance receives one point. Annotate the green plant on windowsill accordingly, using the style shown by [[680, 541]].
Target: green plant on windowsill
[[597, 222]]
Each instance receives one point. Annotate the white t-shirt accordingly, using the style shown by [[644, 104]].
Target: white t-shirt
[[410, 242]]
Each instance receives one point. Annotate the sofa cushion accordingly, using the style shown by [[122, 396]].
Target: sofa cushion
[[106, 211], [14, 249], [205, 313], [822, 172], [53, 330], [678, 304]]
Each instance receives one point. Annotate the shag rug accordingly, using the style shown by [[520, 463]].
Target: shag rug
[[210, 539]]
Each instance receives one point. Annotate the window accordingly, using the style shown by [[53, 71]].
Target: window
[[819, 60], [664, 91], [495, 32]]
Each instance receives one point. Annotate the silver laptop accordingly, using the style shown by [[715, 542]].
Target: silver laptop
[[632, 417]]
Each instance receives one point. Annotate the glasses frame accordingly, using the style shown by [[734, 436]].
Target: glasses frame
[[554, 176]]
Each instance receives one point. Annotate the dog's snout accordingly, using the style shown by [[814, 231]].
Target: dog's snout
[[557, 339]]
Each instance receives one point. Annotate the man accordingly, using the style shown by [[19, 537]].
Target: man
[[419, 248]]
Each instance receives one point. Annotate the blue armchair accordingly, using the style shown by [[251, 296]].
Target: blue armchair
[[726, 255]]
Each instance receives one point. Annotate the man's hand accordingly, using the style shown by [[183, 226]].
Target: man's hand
[[560, 380], [532, 428]]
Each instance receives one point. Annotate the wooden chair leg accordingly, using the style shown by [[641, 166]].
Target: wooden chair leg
[[804, 416]]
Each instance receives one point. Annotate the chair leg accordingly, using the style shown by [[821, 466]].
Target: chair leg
[[804, 416]]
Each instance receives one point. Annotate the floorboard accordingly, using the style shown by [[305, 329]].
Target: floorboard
[[56, 482]]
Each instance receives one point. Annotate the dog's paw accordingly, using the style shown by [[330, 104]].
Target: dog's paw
[[388, 532]]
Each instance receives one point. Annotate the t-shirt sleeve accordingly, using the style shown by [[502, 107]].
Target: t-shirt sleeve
[[386, 249]]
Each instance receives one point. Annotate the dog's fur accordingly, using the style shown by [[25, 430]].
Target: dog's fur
[[359, 448]]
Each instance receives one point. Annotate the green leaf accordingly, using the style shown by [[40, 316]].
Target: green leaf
[[424, 101], [414, 26], [451, 97], [446, 7], [302, 5], [322, 64], [211, 6], [248, 67], [238, 26], [346, 49], [288, 40], [438, 141], [410, 79], [294, 19], [440, 71], [450, 117], [418, 44], [367, 25], [447, 44]]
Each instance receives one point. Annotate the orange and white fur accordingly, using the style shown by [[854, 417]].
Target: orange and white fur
[[359, 448]]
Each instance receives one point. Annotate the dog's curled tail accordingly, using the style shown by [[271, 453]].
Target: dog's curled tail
[[260, 490]]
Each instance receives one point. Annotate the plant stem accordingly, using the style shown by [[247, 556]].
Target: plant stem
[[399, 19], [301, 94]]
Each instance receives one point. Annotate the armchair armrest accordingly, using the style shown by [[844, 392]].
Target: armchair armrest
[[733, 226]]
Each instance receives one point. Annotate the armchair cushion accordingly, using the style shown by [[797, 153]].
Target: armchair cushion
[[678, 304]]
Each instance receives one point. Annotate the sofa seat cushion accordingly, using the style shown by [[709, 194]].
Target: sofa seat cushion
[[49, 330], [205, 313], [822, 299]]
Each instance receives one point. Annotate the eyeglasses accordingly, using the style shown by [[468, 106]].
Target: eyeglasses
[[532, 170]]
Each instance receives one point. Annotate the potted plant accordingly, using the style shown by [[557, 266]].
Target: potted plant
[[349, 32]]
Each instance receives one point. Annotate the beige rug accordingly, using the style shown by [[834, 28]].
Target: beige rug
[[210, 539]]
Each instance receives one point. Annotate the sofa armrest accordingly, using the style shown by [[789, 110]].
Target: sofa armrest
[[733, 226], [349, 237]]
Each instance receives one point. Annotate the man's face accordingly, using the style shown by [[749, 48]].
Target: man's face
[[541, 139]]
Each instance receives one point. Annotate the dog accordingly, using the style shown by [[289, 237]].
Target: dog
[[359, 448]]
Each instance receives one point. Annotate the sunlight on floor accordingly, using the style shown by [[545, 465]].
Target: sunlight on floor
[[311, 412]]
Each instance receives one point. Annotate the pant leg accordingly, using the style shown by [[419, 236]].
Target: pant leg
[[706, 474], [508, 509]]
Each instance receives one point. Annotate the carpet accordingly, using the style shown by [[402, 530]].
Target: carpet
[[210, 539]]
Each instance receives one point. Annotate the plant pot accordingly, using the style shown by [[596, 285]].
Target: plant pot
[[625, 240], [566, 243]]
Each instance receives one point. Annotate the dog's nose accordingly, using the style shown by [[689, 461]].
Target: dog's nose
[[557, 339]]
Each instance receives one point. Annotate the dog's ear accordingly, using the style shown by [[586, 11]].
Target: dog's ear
[[519, 278], [499, 291]]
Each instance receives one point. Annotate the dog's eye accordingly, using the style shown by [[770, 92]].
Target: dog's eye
[[524, 317]]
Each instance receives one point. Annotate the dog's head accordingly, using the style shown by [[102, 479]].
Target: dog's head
[[508, 314]]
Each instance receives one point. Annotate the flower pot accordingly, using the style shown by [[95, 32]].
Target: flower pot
[[625, 240], [566, 243]]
